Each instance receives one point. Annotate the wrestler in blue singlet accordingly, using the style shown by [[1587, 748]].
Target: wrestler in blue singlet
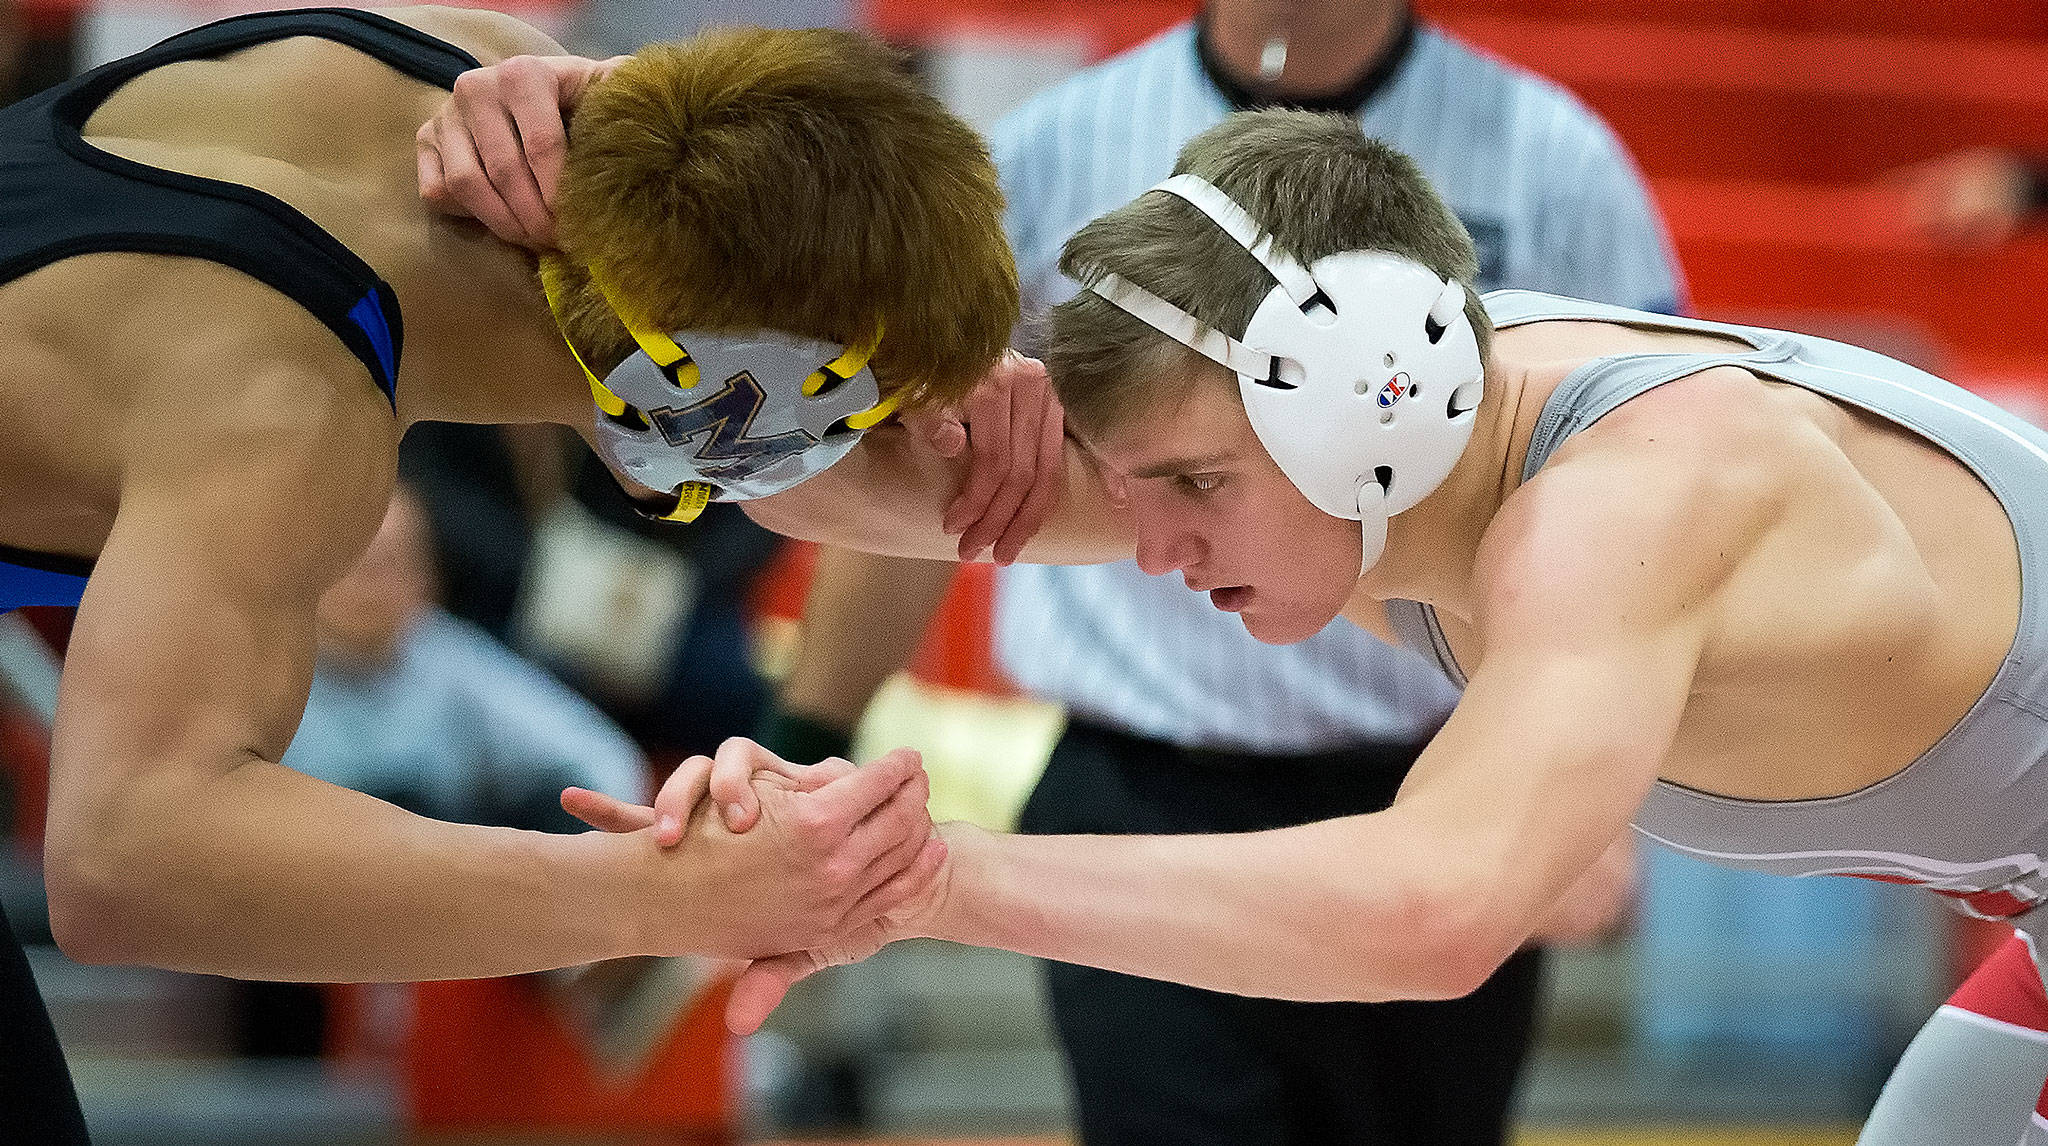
[[61, 197]]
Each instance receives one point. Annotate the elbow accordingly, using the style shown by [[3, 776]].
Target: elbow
[[87, 897], [1451, 942], [1463, 964], [94, 898]]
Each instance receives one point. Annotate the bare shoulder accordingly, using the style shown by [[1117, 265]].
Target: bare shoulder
[[243, 496], [266, 436], [487, 35], [1642, 517]]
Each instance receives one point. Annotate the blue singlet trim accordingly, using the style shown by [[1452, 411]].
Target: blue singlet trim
[[368, 314]]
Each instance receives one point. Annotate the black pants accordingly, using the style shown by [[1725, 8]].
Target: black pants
[[1160, 1064], [37, 1102]]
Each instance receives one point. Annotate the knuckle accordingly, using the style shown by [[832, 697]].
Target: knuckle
[[838, 873], [811, 821]]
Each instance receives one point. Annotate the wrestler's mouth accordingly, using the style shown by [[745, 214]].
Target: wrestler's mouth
[[1231, 598]]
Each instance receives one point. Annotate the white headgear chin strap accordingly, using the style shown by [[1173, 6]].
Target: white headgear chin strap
[[1262, 373]]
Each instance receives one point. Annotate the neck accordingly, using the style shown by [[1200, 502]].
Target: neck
[[1331, 49], [481, 345], [1431, 548]]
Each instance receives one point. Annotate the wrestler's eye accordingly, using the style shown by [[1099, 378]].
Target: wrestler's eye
[[1199, 483]]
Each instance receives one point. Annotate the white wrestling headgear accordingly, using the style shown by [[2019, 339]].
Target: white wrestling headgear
[[782, 409], [1361, 373]]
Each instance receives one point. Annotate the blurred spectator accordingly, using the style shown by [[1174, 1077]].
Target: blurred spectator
[[1975, 198], [649, 619], [536, 545], [38, 48], [416, 707]]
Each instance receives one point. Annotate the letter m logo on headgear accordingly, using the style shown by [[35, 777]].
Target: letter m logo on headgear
[[721, 426]]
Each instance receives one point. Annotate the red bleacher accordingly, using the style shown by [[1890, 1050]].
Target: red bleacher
[[1766, 130], [2016, 19], [1764, 127], [1768, 104]]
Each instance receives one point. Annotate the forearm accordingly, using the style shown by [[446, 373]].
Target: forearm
[[1314, 913], [864, 619], [890, 494], [258, 872]]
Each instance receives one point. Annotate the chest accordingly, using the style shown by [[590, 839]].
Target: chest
[[1871, 607]]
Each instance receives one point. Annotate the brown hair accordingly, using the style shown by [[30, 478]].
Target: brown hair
[[794, 180], [1314, 182]]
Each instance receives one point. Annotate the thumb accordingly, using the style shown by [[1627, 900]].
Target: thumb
[[760, 988], [732, 789], [678, 798]]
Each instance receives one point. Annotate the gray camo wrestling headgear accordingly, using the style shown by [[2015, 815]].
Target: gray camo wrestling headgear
[[780, 409]]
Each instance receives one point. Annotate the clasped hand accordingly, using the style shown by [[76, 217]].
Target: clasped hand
[[856, 861]]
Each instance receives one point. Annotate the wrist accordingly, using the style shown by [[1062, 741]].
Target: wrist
[[965, 897], [620, 889]]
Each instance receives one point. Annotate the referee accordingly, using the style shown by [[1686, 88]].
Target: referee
[[1180, 722]]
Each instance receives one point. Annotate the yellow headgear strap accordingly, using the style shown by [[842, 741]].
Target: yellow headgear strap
[[551, 285], [691, 498], [874, 413], [843, 367]]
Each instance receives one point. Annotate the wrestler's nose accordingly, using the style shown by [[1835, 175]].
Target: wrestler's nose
[[1165, 547]]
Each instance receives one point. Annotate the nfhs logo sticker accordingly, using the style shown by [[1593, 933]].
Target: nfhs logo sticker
[[1392, 392]]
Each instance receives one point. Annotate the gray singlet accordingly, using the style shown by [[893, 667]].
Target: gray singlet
[[1969, 818]]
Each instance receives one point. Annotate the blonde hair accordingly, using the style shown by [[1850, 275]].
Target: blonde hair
[[1313, 181], [794, 180]]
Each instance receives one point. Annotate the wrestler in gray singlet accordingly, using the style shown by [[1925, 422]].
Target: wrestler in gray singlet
[[1969, 818]]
